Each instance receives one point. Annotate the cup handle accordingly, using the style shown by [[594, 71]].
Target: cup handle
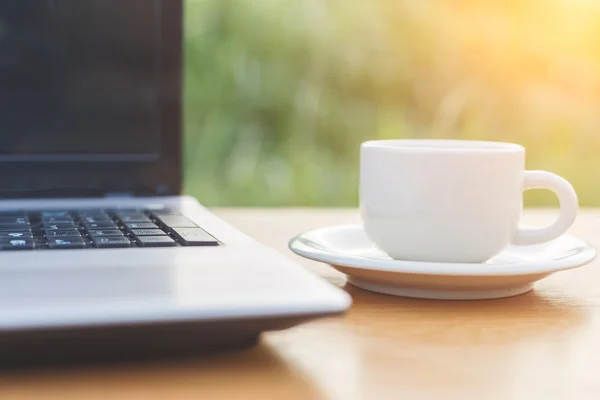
[[569, 206]]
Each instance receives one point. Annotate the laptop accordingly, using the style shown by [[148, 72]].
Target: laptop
[[100, 253]]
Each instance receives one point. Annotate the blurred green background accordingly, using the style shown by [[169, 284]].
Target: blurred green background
[[279, 94]]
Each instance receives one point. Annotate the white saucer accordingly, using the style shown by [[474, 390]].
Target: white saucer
[[513, 272]]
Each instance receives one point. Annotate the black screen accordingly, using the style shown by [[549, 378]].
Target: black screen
[[79, 79]]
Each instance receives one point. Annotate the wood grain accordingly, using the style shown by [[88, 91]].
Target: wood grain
[[542, 345]]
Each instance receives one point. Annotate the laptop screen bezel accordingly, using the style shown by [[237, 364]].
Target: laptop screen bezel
[[159, 177]]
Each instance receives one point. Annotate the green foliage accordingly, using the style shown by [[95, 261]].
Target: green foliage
[[279, 94]]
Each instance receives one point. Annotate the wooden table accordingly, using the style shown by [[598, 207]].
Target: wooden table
[[545, 344]]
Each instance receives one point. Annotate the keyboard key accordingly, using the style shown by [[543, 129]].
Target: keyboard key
[[176, 221], [60, 227], [134, 218], [17, 244], [67, 243], [16, 235], [155, 241], [140, 225], [14, 220], [64, 234], [100, 225], [57, 220], [103, 232], [126, 210], [111, 242], [96, 219], [194, 237], [14, 227], [147, 232], [92, 213], [47, 214], [130, 213], [165, 211]]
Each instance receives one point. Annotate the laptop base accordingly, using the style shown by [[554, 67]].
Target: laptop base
[[143, 343]]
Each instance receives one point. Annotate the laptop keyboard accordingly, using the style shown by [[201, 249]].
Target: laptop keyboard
[[99, 228]]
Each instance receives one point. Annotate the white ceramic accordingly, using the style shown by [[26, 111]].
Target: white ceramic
[[452, 200], [514, 271]]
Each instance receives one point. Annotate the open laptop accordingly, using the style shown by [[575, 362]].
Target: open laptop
[[99, 252]]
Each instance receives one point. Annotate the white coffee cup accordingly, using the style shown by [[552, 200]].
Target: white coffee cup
[[453, 200]]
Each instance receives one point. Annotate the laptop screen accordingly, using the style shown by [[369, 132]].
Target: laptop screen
[[79, 80]]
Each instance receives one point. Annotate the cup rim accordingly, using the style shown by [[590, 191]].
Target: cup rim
[[443, 146]]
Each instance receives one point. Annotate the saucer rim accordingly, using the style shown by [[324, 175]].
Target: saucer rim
[[297, 246]]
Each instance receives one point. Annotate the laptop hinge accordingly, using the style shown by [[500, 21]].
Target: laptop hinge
[[120, 195]]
